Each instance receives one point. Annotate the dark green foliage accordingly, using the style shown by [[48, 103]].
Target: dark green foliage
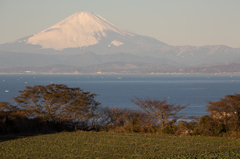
[[13, 123], [118, 145], [208, 126], [167, 130]]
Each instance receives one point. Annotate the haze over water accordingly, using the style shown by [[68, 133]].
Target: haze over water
[[117, 90]]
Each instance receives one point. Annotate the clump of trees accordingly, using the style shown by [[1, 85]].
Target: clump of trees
[[223, 117], [125, 120], [56, 107], [56, 102]]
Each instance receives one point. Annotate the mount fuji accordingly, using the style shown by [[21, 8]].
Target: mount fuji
[[85, 39], [81, 32]]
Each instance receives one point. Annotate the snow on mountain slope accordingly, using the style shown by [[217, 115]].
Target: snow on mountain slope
[[88, 32], [116, 43], [79, 30], [82, 32]]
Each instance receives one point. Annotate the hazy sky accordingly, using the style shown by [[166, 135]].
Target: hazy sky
[[175, 22]]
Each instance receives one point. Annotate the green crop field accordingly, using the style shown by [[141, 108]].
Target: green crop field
[[118, 145]]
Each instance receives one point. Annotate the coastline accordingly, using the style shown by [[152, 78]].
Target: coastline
[[113, 73]]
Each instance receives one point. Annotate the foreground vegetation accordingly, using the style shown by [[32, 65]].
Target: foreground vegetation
[[131, 133], [56, 107], [118, 145]]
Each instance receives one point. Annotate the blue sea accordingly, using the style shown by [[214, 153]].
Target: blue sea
[[117, 90]]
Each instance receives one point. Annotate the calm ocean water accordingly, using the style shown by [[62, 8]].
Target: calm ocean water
[[117, 90]]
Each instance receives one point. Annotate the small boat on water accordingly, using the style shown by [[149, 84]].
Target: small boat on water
[[6, 90]]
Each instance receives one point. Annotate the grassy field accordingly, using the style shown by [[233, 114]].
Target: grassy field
[[118, 145]]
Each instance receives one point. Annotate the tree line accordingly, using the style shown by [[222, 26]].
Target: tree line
[[56, 108]]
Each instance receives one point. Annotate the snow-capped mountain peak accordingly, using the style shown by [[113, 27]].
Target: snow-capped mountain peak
[[78, 30], [81, 32]]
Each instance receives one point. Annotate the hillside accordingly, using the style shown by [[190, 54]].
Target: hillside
[[126, 68]]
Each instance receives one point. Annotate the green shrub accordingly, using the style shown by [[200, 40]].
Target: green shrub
[[167, 130]]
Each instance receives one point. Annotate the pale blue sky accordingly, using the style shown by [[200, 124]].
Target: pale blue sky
[[175, 22]]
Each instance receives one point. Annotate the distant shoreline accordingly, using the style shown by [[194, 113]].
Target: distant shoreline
[[232, 73]]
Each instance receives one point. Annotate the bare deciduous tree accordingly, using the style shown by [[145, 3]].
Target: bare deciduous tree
[[159, 109]]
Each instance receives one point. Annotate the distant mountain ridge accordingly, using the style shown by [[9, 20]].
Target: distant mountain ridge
[[12, 59], [85, 39], [125, 68]]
